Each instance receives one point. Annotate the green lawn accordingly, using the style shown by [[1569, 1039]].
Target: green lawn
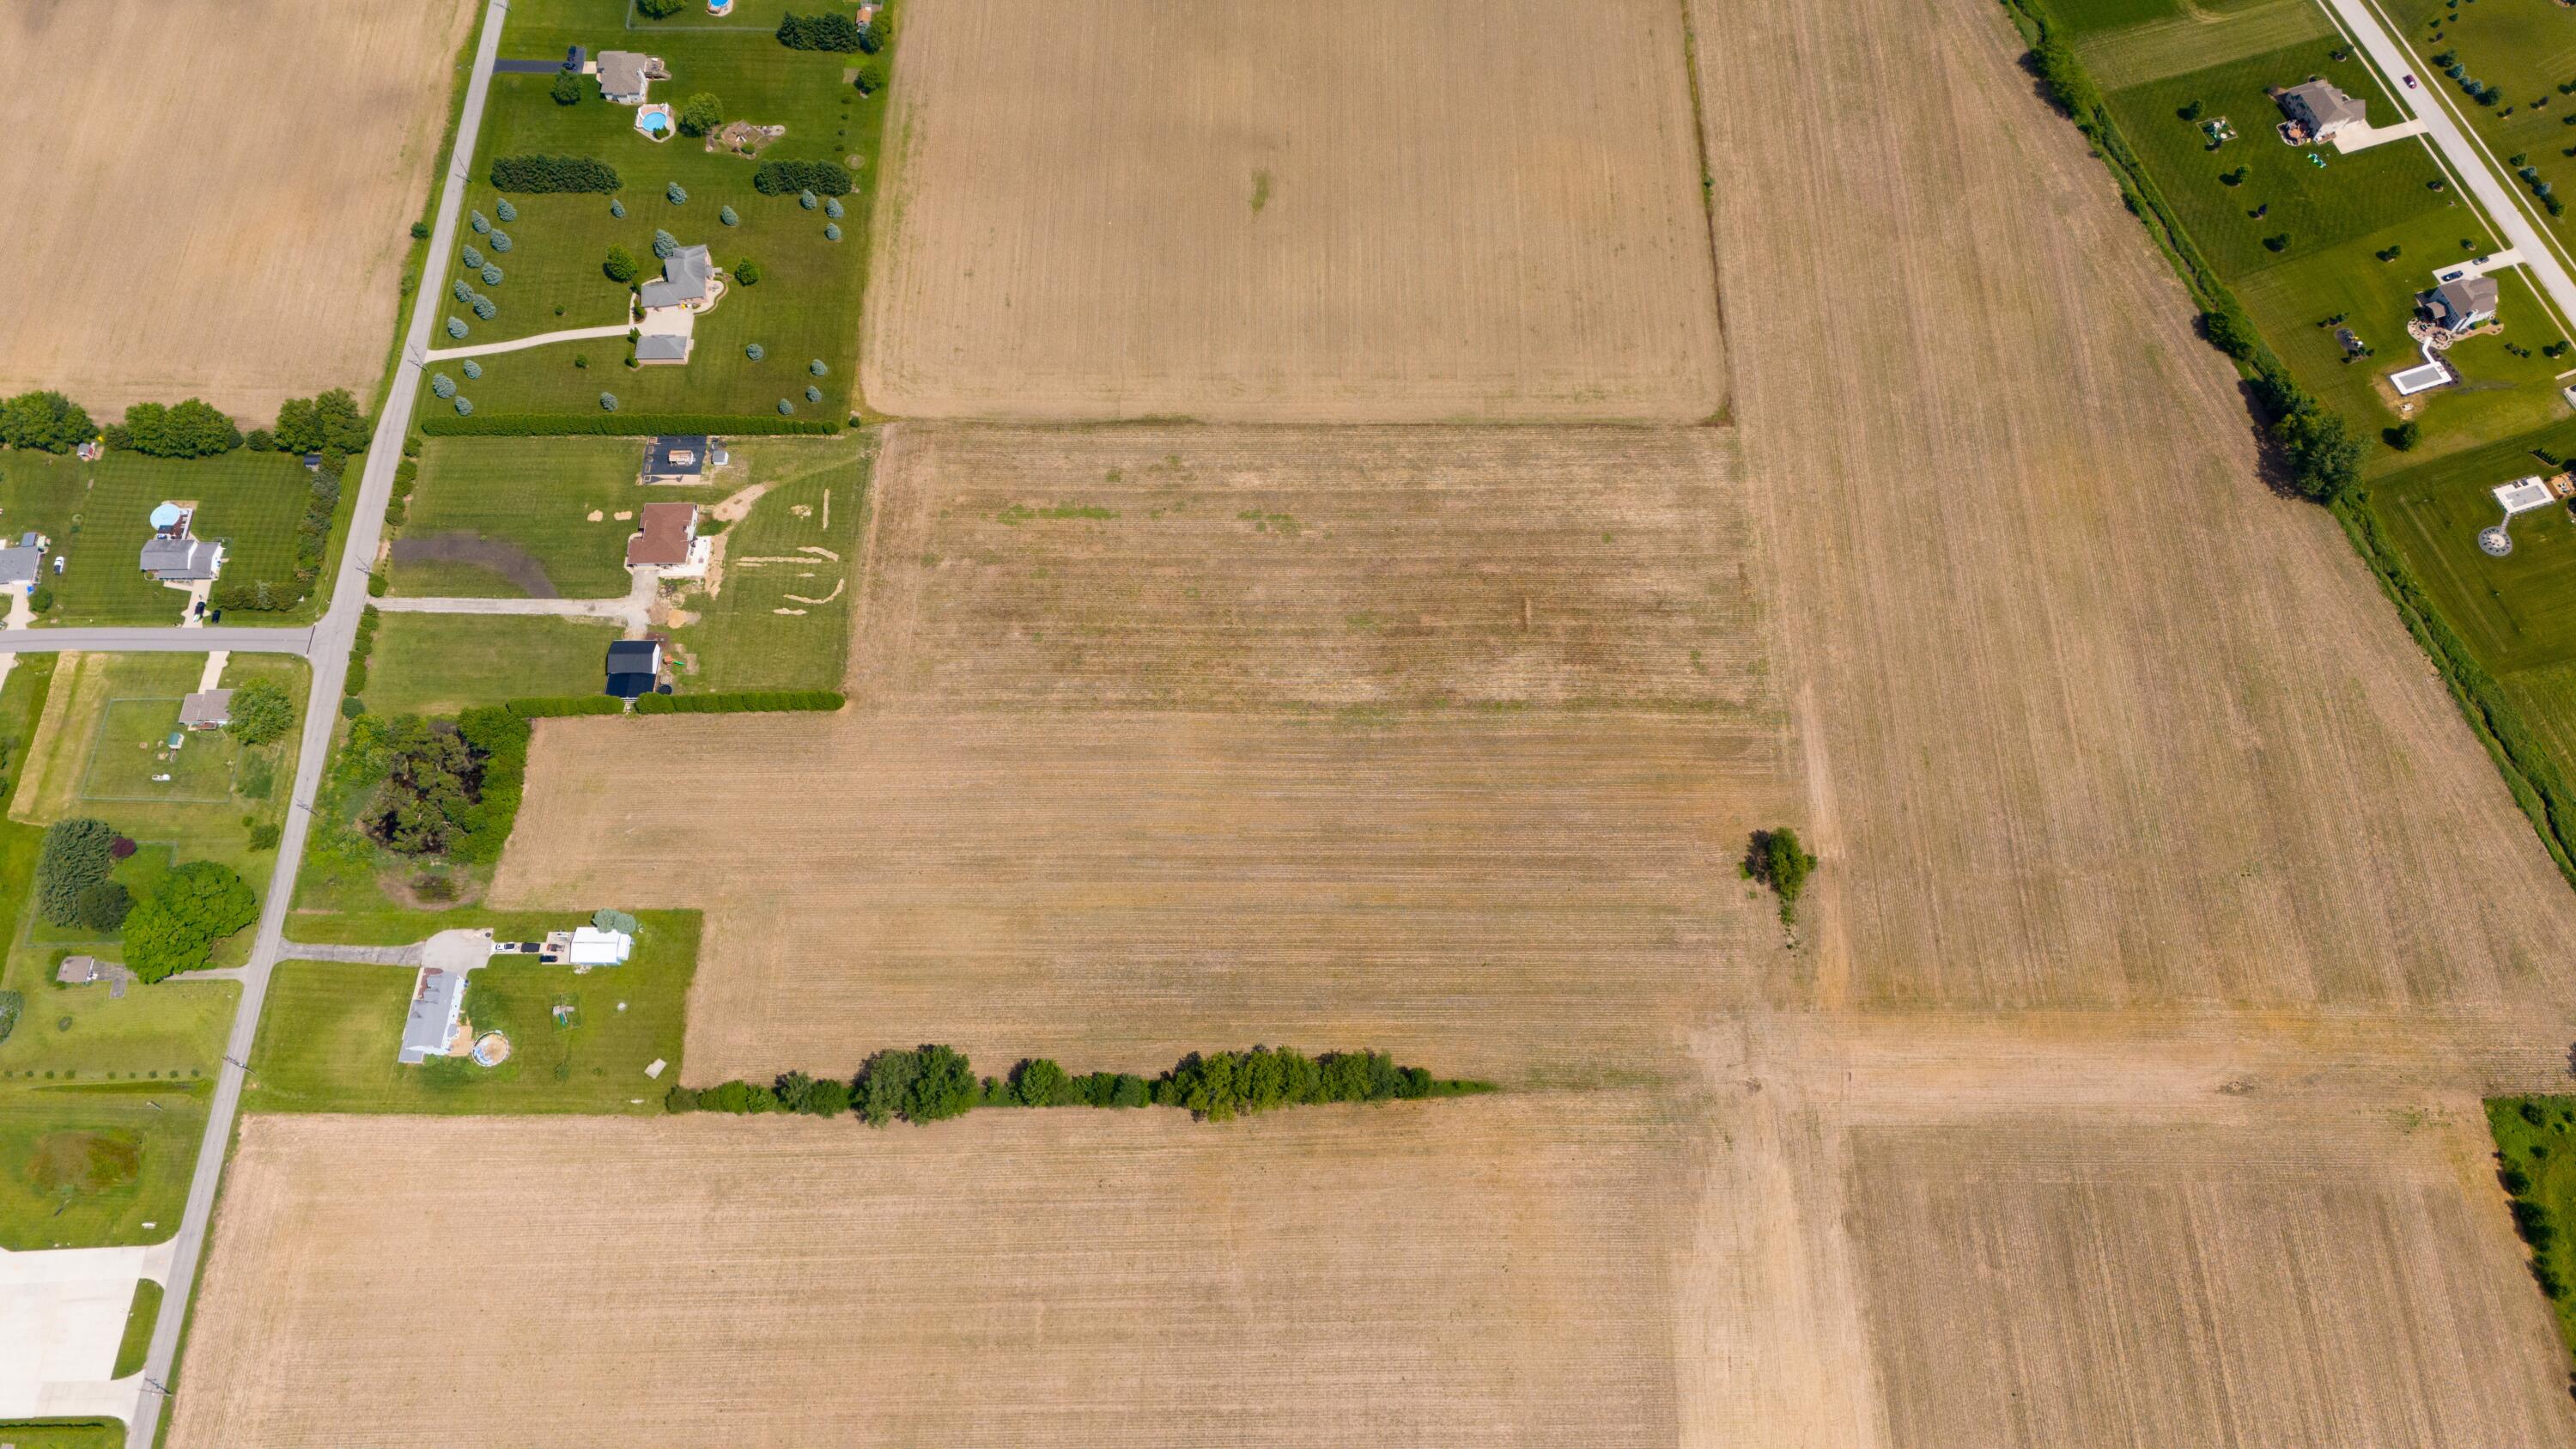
[[2544, 1153], [87, 1164], [252, 501], [41, 492], [328, 1039], [2517, 612], [781, 619], [537, 495], [2135, 52], [130, 1350], [441, 663], [804, 307], [2526, 50]]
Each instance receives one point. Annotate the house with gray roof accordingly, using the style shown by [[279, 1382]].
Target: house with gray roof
[[2463, 304], [2318, 110], [662, 347], [625, 76], [437, 1006], [19, 568], [180, 559], [207, 709], [684, 279]]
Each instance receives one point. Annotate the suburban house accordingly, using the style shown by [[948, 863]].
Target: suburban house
[[2461, 305], [22, 565], [434, 1027], [672, 301], [668, 541], [625, 76], [633, 665], [173, 555], [207, 709], [2317, 110], [679, 459]]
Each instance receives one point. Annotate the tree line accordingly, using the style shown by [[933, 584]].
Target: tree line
[[535, 173], [172, 929], [932, 1082], [786, 178]]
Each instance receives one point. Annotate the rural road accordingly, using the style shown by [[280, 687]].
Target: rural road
[[164, 639], [2477, 168], [327, 645]]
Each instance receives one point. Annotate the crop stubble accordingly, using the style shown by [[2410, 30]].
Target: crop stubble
[[1341, 211], [1116, 788], [225, 190], [2089, 718], [1406, 1274]]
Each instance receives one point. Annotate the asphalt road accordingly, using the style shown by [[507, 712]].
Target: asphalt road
[[327, 645], [2477, 168]]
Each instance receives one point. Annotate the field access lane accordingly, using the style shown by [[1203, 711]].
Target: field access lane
[[157, 639]]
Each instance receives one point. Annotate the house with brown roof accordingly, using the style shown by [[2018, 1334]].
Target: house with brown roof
[[667, 540]]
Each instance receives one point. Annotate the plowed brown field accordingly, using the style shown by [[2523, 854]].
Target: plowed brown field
[[2090, 718], [1459, 740], [1338, 211], [1415, 1274], [209, 200]]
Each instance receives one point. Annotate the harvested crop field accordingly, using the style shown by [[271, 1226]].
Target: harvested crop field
[[1489, 896], [1421, 1273], [243, 176], [1337, 212], [1230, 568], [2151, 1283], [2088, 716], [1408, 756]]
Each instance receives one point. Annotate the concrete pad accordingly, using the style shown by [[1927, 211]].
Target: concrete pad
[[62, 1315], [2363, 137]]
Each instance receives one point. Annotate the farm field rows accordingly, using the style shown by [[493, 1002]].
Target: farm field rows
[[244, 264], [1341, 212], [1421, 1268]]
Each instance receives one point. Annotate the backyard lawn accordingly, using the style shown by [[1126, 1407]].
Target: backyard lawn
[[534, 497], [2517, 612], [441, 663], [91, 1164], [578, 1042], [781, 615], [804, 306], [252, 501]]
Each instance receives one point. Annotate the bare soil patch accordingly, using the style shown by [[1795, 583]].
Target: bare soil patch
[[1274, 568], [1489, 1271], [226, 190], [2089, 717], [1343, 211], [502, 557]]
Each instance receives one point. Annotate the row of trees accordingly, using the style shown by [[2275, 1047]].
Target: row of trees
[[786, 178], [932, 1082], [45, 420], [190, 429], [829, 31], [553, 173]]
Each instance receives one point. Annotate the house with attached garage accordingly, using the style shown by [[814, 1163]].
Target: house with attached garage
[[2460, 305], [2316, 111], [23, 565], [207, 709], [668, 542], [436, 1025], [174, 555], [625, 76]]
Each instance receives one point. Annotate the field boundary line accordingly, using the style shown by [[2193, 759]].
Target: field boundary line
[[1707, 214]]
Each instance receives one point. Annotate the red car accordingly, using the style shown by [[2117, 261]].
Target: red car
[[2410, 82]]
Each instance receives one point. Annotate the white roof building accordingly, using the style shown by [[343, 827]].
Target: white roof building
[[592, 946]]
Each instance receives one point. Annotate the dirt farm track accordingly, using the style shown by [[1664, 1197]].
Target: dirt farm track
[[2118, 1087], [210, 200]]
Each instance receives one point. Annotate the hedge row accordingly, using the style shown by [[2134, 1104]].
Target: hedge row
[[786, 178], [500, 737], [553, 173], [565, 706], [617, 425], [780, 701], [932, 1082]]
